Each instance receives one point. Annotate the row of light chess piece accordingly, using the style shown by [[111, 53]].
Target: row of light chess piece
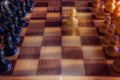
[[111, 27], [110, 37], [109, 7]]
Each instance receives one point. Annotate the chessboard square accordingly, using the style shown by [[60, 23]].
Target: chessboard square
[[36, 23], [53, 9], [55, 14], [71, 52], [53, 23], [42, 9], [50, 53], [85, 10], [29, 53], [112, 71], [71, 41], [70, 32], [51, 41], [81, 4], [68, 4], [73, 67], [49, 67], [96, 68], [34, 31], [23, 32], [29, 67], [99, 23], [41, 4], [39, 15], [54, 4], [90, 41], [88, 32], [10, 72], [93, 52], [32, 41], [52, 31]]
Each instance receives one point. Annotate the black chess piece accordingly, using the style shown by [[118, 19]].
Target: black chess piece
[[10, 49], [23, 6], [11, 27], [13, 6], [7, 39], [5, 65], [29, 5], [2, 29], [0, 40], [15, 38], [18, 28], [7, 8]]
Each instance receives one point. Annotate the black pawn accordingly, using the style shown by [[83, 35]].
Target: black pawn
[[15, 38], [4, 64], [10, 49], [7, 39]]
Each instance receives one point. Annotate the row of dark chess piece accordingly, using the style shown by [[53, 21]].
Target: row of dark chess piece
[[12, 13]]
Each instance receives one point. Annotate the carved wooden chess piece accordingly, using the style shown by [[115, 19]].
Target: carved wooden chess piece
[[100, 14], [72, 20], [4, 64], [95, 5], [110, 6], [112, 51], [116, 18]]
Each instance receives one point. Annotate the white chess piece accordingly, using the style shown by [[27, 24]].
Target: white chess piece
[[115, 40], [112, 51], [100, 14], [72, 20]]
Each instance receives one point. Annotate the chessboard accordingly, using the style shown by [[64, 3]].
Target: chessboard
[[51, 50]]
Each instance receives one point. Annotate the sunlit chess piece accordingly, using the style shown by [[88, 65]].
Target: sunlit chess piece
[[112, 51], [107, 22], [115, 40], [100, 14], [110, 6], [116, 18], [72, 20], [95, 5]]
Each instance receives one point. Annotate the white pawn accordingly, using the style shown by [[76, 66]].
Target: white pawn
[[100, 14], [104, 29], [95, 5], [72, 20], [111, 30], [115, 40], [107, 19], [112, 51], [106, 39]]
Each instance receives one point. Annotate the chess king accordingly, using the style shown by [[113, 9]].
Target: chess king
[[72, 20], [116, 18], [110, 6]]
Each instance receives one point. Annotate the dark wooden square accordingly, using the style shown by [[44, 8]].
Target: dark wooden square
[[51, 41], [69, 52], [49, 67], [96, 68], [90, 41]]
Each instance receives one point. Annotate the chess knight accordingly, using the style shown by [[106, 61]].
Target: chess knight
[[116, 18], [72, 20], [110, 6]]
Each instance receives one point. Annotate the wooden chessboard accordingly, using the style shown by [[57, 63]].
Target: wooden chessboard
[[50, 50]]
